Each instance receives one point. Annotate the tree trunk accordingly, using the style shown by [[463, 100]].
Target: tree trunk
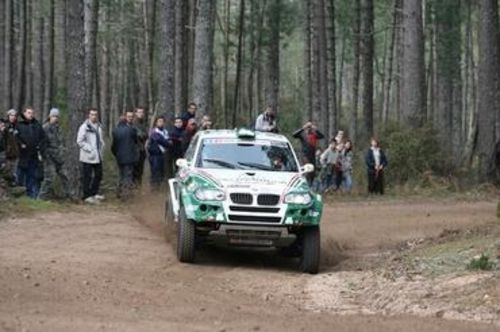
[[389, 74], [449, 81], [367, 56], [49, 62], [356, 69], [23, 54], [91, 26], [307, 61], [236, 95], [273, 55], [331, 67], [488, 95], [8, 55], [75, 56], [37, 58], [166, 46], [181, 82], [413, 98], [203, 57]]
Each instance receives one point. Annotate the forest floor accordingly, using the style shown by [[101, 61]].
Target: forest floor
[[387, 265]]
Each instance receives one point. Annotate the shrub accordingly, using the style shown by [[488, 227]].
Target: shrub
[[481, 263], [414, 155]]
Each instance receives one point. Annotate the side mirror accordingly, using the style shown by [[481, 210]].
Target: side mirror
[[182, 163], [308, 168]]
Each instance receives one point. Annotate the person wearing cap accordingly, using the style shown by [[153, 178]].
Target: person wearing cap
[[53, 161]]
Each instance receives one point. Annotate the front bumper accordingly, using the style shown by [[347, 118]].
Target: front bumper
[[252, 236]]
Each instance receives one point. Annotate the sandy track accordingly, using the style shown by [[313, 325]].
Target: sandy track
[[114, 270]]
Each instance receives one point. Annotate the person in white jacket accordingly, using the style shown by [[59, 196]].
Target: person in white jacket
[[91, 143]]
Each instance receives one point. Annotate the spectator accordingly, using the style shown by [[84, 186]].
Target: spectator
[[347, 166], [309, 136], [11, 146], [331, 158], [339, 138], [376, 163], [142, 136], [189, 114], [126, 152], [267, 121], [189, 132], [53, 159], [176, 136], [206, 122], [91, 144], [159, 144], [31, 138]]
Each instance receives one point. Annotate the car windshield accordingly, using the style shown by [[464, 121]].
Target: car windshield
[[262, 155]]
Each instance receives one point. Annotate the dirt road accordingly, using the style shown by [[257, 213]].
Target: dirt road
[[104, 269]]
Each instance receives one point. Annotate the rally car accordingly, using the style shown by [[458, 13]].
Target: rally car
[[244, 188]]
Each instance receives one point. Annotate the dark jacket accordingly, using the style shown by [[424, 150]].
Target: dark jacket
[[142, 134], [11, 141], [124, 146], [158, 142], [187, 137], [309, 140], [32, 136], [55, 149], [177, 138], [370, 160], [185, 117]]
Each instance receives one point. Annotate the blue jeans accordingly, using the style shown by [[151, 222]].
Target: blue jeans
[[157, 165], [28, 177], [347, 179]]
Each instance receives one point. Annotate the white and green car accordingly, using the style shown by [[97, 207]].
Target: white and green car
[[244, 188]]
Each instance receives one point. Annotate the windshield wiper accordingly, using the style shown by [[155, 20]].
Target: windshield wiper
[[222, 163], [256, 166]]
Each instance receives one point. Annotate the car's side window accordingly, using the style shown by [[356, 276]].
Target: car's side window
[[191, 149]]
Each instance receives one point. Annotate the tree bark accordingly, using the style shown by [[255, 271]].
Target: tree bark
[[49, 61], [448, 79], [488, 95], [236, 95], [166, 46], [23, 54], [181, 82], [367, 56], [203, 57], [413, 97], [331, 63], [356, 69], [389, 74], [37, 66], [75, 56], [8, 55], [91, 27], [273, 56]]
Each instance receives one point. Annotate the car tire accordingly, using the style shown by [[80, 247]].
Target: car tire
[[186, 238], [309, 261]]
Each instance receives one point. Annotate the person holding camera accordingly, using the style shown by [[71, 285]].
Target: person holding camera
[[267, 121]]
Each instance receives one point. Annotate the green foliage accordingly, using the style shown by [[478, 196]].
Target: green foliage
[[482, 263], [498, 210], [413, 154]]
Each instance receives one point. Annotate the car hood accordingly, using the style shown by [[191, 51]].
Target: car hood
[[253, 180]]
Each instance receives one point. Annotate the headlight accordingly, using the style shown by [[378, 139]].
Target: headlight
[[204, 194], [298, 198]]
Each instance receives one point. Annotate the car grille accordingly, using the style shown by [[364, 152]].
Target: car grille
[[254, 209], [235, 217], [268, 199], [241, 198]]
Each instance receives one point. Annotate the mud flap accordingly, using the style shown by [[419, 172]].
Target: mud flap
[[174, 198]]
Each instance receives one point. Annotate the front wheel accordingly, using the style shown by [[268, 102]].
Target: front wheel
[[309, 261], [186, 238]]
